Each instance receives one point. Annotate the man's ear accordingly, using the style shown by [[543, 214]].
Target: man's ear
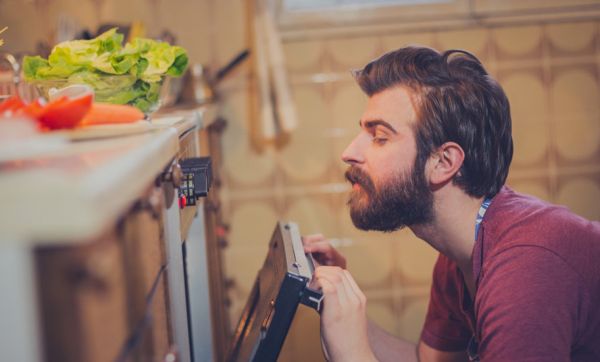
[[445, 162]]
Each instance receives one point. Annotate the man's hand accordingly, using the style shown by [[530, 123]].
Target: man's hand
[[344, 316], [322, 251]]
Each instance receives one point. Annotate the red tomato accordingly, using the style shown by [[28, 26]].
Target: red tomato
[[33, 109], [13, 104], [64, 112]]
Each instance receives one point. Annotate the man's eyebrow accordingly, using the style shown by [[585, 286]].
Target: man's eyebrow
[[377, 122]]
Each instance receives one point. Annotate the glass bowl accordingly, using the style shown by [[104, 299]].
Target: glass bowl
[[117, 89]]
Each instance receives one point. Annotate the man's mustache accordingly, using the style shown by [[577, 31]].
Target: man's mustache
[[355, 175]]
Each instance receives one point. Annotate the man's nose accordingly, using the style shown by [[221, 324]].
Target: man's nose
[[353, 153]]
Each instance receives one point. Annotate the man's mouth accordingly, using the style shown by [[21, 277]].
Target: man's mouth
[[354, 177], [350, 178]]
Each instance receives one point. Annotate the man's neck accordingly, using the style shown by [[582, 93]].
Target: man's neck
[[452, 232]]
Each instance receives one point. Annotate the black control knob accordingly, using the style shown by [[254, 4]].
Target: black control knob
[[197, 178]]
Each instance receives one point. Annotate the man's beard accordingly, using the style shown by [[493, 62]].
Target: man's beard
[[403, 201]]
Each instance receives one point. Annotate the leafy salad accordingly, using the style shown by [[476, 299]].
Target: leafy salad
[[130, 74]]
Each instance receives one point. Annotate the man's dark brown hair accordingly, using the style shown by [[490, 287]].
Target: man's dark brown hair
[[456, 100]]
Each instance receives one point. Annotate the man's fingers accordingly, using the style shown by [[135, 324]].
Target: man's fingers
[[343, 318], [309, 239], [321, 246], [335, 276], [351, 292], [331, 299], [323, 252]]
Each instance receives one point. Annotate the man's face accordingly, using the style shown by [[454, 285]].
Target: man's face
[[389, 188]]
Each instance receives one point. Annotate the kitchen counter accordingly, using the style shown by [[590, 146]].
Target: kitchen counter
[[83, 246], [79, 188]]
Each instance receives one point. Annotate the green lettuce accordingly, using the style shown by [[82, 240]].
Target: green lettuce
[[33, 65], [130, 74]]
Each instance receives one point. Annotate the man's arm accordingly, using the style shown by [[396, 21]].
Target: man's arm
[[383, 345], [390, 348], [348, 335]]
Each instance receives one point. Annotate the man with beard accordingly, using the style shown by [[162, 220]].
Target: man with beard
[[516, 279]]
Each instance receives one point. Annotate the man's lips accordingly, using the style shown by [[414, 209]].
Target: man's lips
[[354, 180]]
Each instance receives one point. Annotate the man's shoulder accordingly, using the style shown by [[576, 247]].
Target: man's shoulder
[[516, 219], [528, 297], [541, 229]]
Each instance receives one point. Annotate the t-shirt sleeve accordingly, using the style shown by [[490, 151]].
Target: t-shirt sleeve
[[528, 304], [446, 327]]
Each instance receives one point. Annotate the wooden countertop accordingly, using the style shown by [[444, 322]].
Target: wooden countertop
[[81, 186]]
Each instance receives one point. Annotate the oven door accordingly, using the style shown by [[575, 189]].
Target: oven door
[[281, 285]]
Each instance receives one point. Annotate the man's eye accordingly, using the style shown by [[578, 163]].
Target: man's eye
[[379, 140]]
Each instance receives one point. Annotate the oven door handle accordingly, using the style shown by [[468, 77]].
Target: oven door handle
[[312, 298]]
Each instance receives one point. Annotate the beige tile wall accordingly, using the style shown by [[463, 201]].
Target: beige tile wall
[[551, 74], [30, 22]]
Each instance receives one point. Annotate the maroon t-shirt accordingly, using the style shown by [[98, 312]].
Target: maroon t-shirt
[[537, 270]]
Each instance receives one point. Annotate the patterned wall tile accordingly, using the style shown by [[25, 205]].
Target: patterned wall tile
[[352, 53], [252, 226], [413, 258], [519, 42], [304, 157], [313, 214], [513, 7], [581, 194], [304, 56], [254, 223], [191, 23], [395, 41], [574, 95], [538, 187], [32, 22], [370, 262], [243, 265], [572, 38], [529, 110], [382, 313], [411, 318], [474, 40], [230, 18], [243, 163], [303, 342]]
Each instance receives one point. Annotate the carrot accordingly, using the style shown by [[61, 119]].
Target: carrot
[[104, 113]]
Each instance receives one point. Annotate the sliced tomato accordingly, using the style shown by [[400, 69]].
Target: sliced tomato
[[64, 112], [58, 101], [12, 104], [32, 110]]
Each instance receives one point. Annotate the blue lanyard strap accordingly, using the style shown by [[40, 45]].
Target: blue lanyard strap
[[473, 347], [482, 209]]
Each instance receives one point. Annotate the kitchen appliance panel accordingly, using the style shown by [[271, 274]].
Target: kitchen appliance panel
[[83, 300], [188, 147], [145, 260]]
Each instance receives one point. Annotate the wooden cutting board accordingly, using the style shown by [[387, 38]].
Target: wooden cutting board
[[106, 131]]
